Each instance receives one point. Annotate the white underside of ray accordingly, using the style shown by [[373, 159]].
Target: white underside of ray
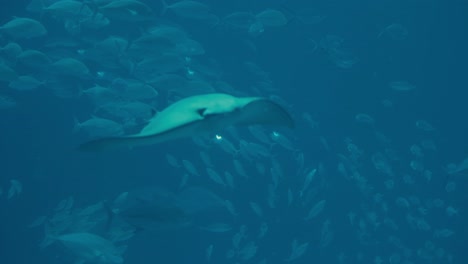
[[187, 110]]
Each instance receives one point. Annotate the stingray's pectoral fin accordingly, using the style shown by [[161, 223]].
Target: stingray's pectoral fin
[[264, 111]]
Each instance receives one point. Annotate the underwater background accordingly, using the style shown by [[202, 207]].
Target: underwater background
[[374, 171]]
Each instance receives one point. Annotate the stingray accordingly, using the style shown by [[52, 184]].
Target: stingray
[[198, 115]]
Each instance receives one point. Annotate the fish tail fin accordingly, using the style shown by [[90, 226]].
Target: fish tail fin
[[381, 33], [291, 15], [163, 8], [93, 6], [49, 238], [42, 10], [76, 125], [80, 91], [110, 217]]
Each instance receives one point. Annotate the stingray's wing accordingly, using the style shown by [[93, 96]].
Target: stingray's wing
[[266, 112]]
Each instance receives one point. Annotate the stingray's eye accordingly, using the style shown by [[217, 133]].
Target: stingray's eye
[[201, 111]]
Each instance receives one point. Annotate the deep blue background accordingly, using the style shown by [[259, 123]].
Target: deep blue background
[[37, 143]]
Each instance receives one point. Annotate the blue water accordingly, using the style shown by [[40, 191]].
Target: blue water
[[38, 143]]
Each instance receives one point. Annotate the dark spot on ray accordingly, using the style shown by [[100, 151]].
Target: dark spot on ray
[[201, 111]]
